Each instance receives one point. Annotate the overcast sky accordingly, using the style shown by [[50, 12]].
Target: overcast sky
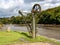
[[10, 7]]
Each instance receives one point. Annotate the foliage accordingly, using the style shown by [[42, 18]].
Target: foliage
[[50, 16]]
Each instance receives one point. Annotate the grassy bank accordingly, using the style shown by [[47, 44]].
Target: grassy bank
[[12, 37]]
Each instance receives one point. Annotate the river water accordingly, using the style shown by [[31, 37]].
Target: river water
[[48, 31]]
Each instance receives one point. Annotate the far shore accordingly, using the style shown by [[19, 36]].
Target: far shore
[[42, 25]]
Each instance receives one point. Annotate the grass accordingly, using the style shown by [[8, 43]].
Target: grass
[[11, 37], [8, 37], [57, 43]]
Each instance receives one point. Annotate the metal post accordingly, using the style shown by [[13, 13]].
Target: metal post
[[34, 35], [36, 9]]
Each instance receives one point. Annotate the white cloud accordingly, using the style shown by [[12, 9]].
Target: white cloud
[[50, 4], [57, 4], [48, 0], [12, 6], [11, 3], [47, 5]]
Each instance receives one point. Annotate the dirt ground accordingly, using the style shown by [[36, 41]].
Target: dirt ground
[[39, 43]]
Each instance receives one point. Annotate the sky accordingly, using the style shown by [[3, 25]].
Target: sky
[[10, 8]]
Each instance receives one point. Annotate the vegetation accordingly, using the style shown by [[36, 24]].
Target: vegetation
[[49, 16], [14, 37]]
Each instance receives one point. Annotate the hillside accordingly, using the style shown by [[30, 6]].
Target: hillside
[[50, 16]]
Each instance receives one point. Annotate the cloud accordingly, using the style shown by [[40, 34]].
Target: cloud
[[10, 7], [5, 4], [30, 1]]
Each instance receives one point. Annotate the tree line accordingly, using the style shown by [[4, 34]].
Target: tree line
[[49, 16]]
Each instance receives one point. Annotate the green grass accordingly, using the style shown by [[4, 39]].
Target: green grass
[[8, 37], [57, 43], [37, 39], [11, 37]]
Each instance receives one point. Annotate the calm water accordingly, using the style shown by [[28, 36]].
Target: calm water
[[51, 32]]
